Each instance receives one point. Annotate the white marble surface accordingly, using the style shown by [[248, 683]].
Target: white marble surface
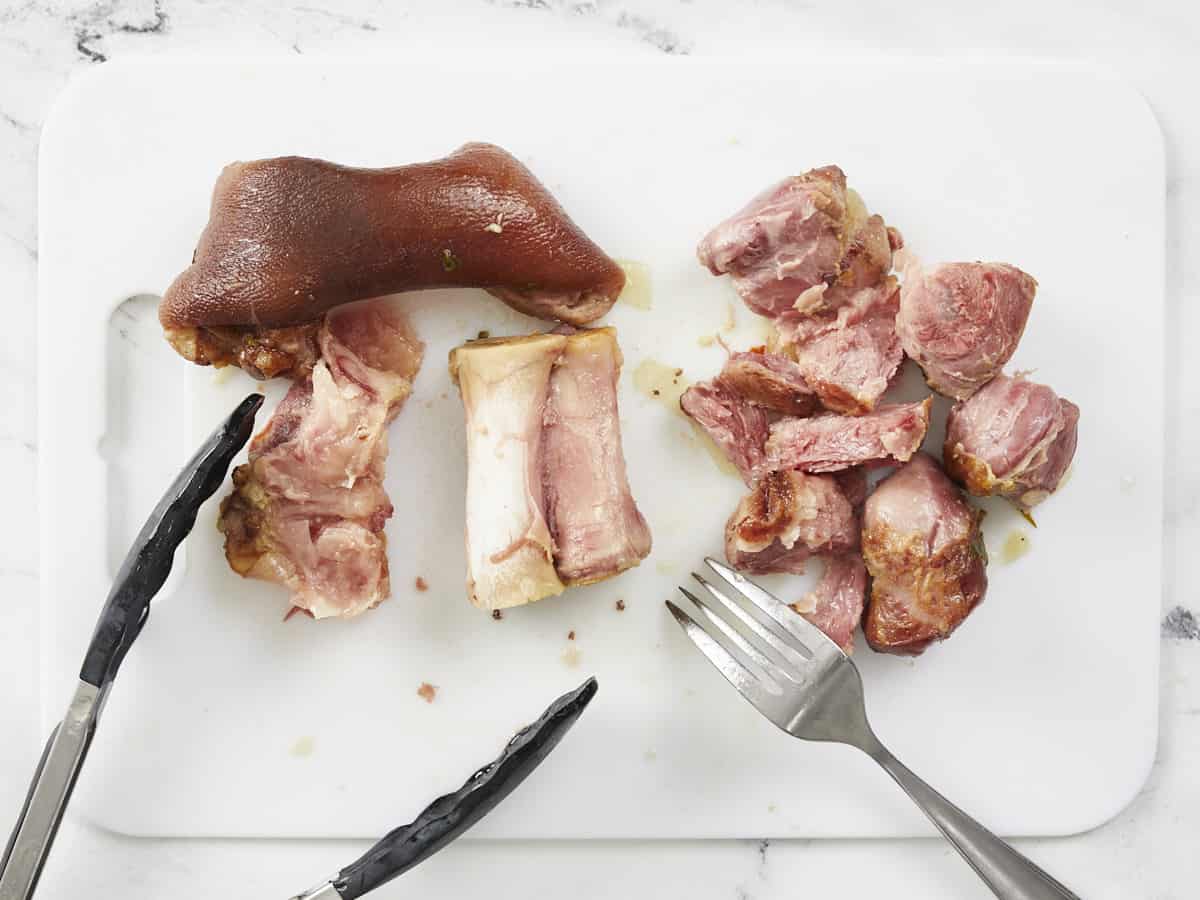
[[1147, 851]]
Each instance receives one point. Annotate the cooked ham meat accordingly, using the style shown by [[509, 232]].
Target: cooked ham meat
[[290, 238], [785, 520], [548, 501], [796, 241], [769, 380], [854, 485], [830, 443], [597, 528], [835, 605], [308, 508], [735, 425], [962, 321], [848, 354], [1012, 437], [924, 550]]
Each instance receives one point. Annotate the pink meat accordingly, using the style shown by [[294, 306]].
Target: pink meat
[[786, 241], [836, 603], [597, 528], [769, 380], [849, 354], [308, 509], [788, 517], [924, 550], [830, 443], [735, 425], [854, 485], [1014, 438], [962, 321]]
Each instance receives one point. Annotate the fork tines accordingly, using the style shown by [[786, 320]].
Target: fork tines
[[770, 655]]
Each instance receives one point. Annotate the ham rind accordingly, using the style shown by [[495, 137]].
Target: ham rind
[[308, 508], [924, 550], [785, 520], [735, 425], [288, 239], [962, 321], [593, 519], [835, 605], [770, 381], [1014, 438], [830, 443], [505, 384]]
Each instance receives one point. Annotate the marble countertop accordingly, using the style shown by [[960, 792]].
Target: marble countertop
[[1146, 851]]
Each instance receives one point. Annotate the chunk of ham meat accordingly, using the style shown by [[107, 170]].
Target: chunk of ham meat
[[735, 424], [308, 508], [1014, 438], [962, 321], [848, 354], [796, 241], [785, 520], [830, 443], [548, 500], [835, 605], [924, 550], [770, 381], [597, 528]]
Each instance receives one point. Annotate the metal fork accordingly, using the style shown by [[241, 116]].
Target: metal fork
[[803, 682]]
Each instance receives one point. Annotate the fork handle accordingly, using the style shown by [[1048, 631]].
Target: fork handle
[[1010, 875]]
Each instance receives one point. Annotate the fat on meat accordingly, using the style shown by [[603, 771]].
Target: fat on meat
[[787, 518]]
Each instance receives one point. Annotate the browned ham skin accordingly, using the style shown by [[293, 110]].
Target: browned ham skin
[[308, 508], [1014, 438], [788, 518], [288, 239], [924, 550]]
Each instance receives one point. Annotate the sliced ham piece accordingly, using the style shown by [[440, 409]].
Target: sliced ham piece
[[308, 508], [962, 321], [830, 443], [769, 380], [735, 425], [786, 519], [924, 550], [1014, 438], [548, 500], [597, 528], [849, 354], [835, 605], [798, 240]]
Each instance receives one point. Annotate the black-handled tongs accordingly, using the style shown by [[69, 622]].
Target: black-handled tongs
[[125, 612], [448, 817]]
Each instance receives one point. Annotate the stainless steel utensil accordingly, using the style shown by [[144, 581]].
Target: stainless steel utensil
[[803, 682], [125, 612]]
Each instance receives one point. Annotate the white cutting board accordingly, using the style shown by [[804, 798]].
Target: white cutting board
[[1039, 715]]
